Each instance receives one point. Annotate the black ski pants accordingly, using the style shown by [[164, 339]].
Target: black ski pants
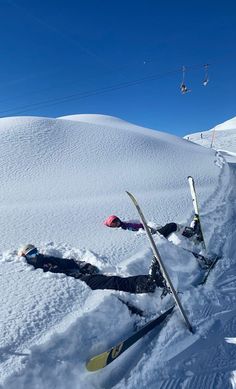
[[167, 229], [133, 284], [124, 284]]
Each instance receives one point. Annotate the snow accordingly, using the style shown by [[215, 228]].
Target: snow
[[221, 137], [60, 179]]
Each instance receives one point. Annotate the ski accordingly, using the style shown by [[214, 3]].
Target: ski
[[205, 262], [206, 274], [102, 360], [134, 310], [196, 206], [159, 260]]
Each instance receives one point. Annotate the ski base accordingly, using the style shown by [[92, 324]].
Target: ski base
[[102, 360]]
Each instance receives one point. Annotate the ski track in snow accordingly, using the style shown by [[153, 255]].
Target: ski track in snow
[[52, 324]]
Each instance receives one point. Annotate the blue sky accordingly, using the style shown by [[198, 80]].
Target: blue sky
[[120, 58]]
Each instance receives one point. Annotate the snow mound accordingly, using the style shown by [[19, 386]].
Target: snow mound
[[99, 119], [61, 179]]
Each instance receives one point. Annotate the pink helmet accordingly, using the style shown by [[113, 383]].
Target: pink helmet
[[110, 220]]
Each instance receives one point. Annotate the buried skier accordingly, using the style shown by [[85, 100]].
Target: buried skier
[[166, 230], [88, 273]]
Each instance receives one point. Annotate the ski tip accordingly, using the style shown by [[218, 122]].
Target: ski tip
[[192, 330], [131, 196], [129, 193], [190, 177], [98, 362]]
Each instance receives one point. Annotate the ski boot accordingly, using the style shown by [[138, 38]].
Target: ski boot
[[194, 230], [188, 232]]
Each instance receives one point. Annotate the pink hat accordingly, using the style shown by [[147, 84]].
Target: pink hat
[[110, 219]]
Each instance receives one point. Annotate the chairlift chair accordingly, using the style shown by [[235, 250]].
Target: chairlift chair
[[183, 86], [206, 79]]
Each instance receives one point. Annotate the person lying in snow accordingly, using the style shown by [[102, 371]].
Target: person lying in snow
[[194, 229], [89, 273]]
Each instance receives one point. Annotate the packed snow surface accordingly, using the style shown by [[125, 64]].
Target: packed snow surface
[[60, 179], [222, 137]]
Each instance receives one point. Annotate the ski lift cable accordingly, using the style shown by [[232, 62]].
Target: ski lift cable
[[82, 95], [183, 78]]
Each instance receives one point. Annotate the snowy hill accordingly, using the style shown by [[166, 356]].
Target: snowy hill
[[72, 174], [104, 120], [222, 137], [60, 179]]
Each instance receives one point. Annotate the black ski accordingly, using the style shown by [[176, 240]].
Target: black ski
[[204, 262], [159, 261], [207, 272], [134, 310], [205, 259], [100, 361]]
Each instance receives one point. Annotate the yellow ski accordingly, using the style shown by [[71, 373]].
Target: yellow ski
[[100, 361]]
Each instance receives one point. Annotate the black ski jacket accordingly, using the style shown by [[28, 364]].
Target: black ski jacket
[[61, 265]]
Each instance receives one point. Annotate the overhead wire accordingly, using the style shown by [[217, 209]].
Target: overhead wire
[[53, 29], [82, 95]]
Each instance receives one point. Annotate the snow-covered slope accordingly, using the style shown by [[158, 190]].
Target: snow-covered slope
[[60, 179], [222, 137], [104, 120]]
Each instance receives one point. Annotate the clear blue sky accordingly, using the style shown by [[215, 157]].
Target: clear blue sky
[[63, 57]]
